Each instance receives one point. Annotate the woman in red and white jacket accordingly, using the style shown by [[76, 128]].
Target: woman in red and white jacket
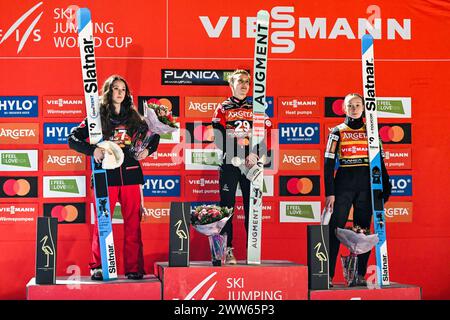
[[120, 122]]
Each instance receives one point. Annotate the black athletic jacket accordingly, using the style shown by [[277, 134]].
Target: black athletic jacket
[[130, 172]]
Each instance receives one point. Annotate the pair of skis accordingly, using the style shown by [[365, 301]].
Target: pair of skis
[[90, 84], [258, 133], [376, 182]]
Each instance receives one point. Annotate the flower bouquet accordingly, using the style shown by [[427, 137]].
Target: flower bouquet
[[209, 220], [159, 118], [358, 240]]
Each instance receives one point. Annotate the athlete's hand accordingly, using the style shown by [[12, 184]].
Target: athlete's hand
[[142, 155], [99, 154], [251, 160], [329, 203]]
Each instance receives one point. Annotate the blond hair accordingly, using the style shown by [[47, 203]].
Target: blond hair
[[237, 73]]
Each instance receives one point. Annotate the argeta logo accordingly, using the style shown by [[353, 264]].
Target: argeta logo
[[299, 185], [14, 29], [18, 187]]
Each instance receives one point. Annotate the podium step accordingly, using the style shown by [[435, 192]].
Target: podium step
[[271, 280], [395, 291], [148, 288]]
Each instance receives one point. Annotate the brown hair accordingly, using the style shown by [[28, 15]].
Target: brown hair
[[132, 118]]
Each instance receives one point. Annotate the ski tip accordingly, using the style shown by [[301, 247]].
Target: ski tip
[[367, 42], [83, 18], [263, 14]]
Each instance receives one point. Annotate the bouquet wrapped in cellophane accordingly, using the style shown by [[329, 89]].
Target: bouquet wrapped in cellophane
[[358, 240], [210, 220]]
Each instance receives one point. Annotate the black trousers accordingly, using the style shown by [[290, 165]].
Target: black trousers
[[229, 177], [362, 216]]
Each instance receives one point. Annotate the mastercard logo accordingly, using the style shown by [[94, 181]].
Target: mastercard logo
[[299, 186], [19, 187], [162, 101], [338, 107], [68, 213], [392, 134]]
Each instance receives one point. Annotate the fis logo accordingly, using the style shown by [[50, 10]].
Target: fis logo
[[18, 106], [57, 133], [401, 185], [299, 133], [22, 37], [161, 186]]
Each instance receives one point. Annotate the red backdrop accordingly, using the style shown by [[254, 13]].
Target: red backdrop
[[139, 40]]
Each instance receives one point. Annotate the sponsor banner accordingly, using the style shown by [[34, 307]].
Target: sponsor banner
[[18, 106], [398, 158], [401, 185], [66, 213], [201, 282], [18, 213], [63, 160], [64, 106], [300, 160], [199, 132], [195, 77], [398, 211], [299, 185], [116, 215], [18, 160], [387, 107], [19, 133], [156, 212], [162, 186], [395, 133], [291, 211], [57, 132], [64, 186], [202, 187], [289, 107], [299, 133], [334, 107], [269, 107], [202, 159], [327, 128], [268, 212], [267, 187], [171, 102], [201, 107], [390, 107], [18, 187], [164, 159]]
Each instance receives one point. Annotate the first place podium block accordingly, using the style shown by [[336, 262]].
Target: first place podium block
[[148, 288], [271, 280], [393, 292]]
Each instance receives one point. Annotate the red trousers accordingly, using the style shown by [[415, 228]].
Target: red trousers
[[129, 197]]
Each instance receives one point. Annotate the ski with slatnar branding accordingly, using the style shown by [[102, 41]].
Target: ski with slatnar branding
[[258, 133], [376, 183], [88, 68]]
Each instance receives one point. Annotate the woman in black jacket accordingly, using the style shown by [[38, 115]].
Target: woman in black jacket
[[120, 123]]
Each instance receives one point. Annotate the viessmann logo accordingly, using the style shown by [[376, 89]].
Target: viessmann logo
[[286, 28], [299, 107], [397, 158], [16, 33], [70, 106], [18, 213]]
